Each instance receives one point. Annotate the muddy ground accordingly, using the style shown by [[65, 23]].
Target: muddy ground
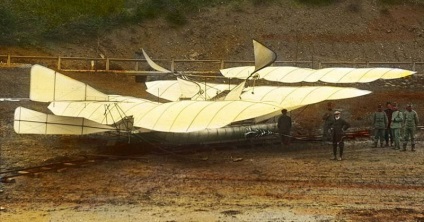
[[237, 182]]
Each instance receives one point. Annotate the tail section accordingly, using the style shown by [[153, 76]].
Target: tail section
[[48, 85], [32, 122]]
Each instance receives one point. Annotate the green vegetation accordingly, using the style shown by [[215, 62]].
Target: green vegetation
[[31, 21], [317, 2]]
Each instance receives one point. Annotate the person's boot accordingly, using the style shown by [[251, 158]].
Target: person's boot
[[404, 147], [381, 145], [413, 147], [374, 145]]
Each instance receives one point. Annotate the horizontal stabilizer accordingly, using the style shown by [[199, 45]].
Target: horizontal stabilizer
[[48, 85], [32, 122]]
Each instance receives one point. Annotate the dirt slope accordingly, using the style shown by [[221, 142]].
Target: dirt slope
[[344, 31]]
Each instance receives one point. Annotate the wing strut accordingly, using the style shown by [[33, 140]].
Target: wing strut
[[125, 124]]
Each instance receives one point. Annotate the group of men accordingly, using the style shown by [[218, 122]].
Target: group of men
[[388, 124]]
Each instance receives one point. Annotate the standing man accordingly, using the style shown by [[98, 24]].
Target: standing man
[[379, 123], [410, 122], [284, 127], [388, 136], [397, 119], [338, 128], [328, 120]]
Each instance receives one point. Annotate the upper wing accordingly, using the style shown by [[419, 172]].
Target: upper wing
[[288, 74]]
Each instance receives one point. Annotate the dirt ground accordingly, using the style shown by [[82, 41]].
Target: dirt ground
[[265, 182], [230, 183]]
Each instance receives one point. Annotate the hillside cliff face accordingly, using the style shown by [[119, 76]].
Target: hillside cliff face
[[349, 30]]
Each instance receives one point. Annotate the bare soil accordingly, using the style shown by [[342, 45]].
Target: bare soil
[[227, 183], [231, 183]]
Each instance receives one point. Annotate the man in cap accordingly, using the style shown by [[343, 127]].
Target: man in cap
[[379, 122], [397, 119], [338, 128], [284, 127], [410, 122]]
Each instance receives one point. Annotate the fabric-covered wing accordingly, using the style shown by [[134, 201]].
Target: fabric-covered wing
[[171, 89], [350, 75], [288, 74], [182, 116], [288, 97], [188, 89], [48, 85], [108, 112], [165, 89], [189, 116], [291, 98], [32, 122]]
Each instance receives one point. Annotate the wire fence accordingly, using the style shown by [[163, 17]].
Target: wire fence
[[195, 67]]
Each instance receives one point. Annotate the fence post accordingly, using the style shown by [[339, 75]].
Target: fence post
[[413, 66], [8, 60], [222, 64], [172, 65], [136, 65], [319, 64], [107, 64], [58, 63]]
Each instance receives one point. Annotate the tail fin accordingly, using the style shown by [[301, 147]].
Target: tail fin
[[32, 122], [48, 85]]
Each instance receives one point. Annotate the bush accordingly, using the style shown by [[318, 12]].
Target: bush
[[317, 2], [7, 25], [29, 21]]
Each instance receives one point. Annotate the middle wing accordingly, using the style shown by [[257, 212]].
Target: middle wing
[[189, 116], [182, 116]]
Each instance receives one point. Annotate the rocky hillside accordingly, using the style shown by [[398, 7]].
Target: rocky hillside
[[348, 30]]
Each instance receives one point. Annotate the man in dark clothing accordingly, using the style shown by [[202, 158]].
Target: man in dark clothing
[[284, 127], [388, 135], [327, 119], [338, 128]]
